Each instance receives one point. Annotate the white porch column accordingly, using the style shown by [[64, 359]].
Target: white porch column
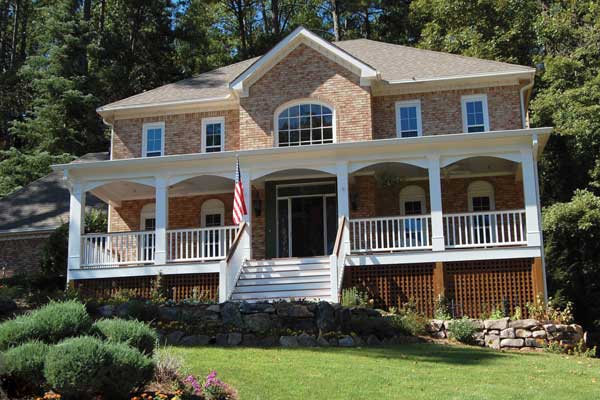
[[162, 220], [530, 183], [342, 189], [435, 198], [246, 177], [76, 226]]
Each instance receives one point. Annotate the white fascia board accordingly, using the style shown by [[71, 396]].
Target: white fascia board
[[525, 74], [367, 72], [443, 256], [147, 270]]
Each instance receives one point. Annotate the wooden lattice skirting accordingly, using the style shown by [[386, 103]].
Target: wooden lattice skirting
[[179, 287], [473, 288]]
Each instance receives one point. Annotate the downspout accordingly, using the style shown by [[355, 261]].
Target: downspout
[[524, 119], [537, 194]]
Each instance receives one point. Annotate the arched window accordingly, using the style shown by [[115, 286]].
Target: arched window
[[304, 123], [212, 213], [148, 217], [412, 200], [481, 196]]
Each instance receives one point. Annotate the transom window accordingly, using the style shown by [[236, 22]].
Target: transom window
[[408, 118], [305, 124], [153, 139], [475, 113], [213, 132]]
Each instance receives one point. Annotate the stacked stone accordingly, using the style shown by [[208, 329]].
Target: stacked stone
[[525, 334]]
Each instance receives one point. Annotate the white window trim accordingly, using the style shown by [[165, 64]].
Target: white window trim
[[209, 207], [148, 211], [153, 125], [213, 120], [404, 197], [481, 192], [486, 118], [298, 102], [409, 103]]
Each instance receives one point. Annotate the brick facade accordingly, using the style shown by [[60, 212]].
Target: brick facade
[[184, 212], [183, 133], [305, 73], [21, 254], [441, 111]]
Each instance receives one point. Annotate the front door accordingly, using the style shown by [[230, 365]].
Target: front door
[[306, 219]]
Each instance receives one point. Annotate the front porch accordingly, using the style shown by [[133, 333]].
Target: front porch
[[398, 204]]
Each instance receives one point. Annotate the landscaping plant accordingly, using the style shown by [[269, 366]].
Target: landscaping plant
[[23, 367], [134, 333], [462, 330]]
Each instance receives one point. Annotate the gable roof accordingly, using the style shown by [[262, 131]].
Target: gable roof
[[390, 63], [42, 205]]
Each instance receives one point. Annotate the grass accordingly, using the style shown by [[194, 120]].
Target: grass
[[422, 371]]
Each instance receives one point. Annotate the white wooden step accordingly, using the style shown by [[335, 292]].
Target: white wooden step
[[281, 268], [286, 274], [280, 281], [286, 294], [289, 261], [282, 287]]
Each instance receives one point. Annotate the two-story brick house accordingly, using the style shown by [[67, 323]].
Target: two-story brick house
[[408, 172]]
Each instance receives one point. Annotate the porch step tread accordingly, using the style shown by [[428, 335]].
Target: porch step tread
[[289, 261], [282, 268], [295, 275], [276, 287], [285, 294]]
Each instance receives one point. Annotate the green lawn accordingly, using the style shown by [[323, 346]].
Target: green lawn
[[424, 371]]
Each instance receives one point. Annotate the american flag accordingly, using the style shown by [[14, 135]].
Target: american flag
[[239, 204]]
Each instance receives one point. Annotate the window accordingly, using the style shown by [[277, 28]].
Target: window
[[475, 114], [412, 200], [481, 196], [213, 213], [153, 139], [408, 119], [304, 124], [213, 134], [148, 217]]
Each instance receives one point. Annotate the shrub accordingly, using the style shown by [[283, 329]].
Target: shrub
[[442, 308], [86, 366], [168, 371], [409, 323], [23, 366], [50, 324], [352, 297], [462, 330], [134, 333]]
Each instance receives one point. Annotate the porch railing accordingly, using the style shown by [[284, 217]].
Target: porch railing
[[485, 229], [116, 249], [199, 244], [390, 233]]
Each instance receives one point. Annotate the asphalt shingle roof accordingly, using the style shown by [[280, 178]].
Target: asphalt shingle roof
[[43, 204], [394, 63]]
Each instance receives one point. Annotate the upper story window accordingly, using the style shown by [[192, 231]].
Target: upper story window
[[408, 118], [481, 196], [475, 113], [304, 124], [213, 134], [153, 141]]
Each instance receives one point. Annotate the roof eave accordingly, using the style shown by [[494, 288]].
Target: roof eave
[[526, 74]]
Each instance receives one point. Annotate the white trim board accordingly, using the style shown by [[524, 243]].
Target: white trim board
[[147, 270], [416, 257]]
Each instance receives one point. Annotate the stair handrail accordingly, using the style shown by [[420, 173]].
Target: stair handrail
[[338, 257], [230, 269]]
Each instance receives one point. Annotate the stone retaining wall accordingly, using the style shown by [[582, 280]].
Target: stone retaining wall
[[320, 324], [525, 334]]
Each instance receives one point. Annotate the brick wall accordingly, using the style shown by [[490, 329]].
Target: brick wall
[[508, 193], [305, 73], [441, 111], [183, 133], [184, 212], [21, 255]]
